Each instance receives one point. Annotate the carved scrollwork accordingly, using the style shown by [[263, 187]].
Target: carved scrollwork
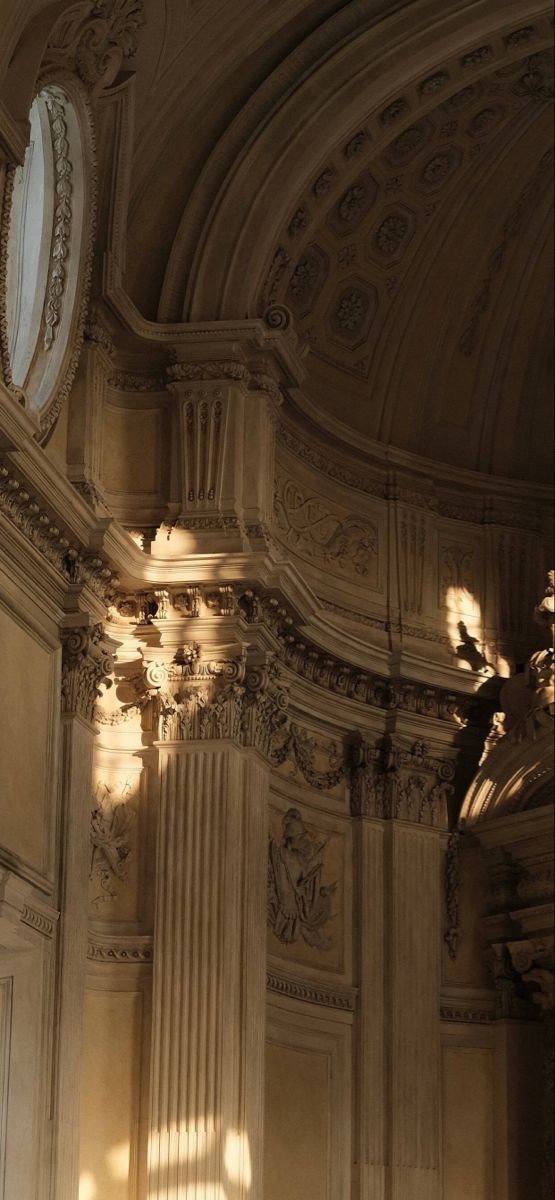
[[86, 663], [316, 530], [96, 37]]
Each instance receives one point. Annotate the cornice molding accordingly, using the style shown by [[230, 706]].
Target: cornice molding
[[310, 991], [122, 949]]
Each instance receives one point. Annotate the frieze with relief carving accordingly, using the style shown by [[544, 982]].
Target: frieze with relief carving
[[322, 533]]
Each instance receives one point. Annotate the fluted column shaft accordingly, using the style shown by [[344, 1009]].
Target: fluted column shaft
[[86, 662], [209, 974]]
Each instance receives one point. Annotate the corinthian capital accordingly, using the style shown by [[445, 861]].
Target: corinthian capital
[[86, 663]]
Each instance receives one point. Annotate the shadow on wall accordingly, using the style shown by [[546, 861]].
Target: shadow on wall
[[466, 635]]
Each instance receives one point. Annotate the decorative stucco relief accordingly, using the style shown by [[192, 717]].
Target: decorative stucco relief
[[96, 37], [391, 782], [325, 534], [299, 902], [413, 549], [59, 251], [112, 819]]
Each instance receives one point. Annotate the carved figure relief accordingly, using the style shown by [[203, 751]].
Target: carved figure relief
[[299, 904], [340, 541], [111, 822]]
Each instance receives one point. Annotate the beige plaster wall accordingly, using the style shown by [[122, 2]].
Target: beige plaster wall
[[132, 450], [24, 744], [467, 1123], [296, 1124], [110, 1095]]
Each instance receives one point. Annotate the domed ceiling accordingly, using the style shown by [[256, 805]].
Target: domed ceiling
[[420, 278], [389, 181]]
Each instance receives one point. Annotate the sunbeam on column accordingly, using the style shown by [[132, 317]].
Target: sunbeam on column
[[237, 1159]]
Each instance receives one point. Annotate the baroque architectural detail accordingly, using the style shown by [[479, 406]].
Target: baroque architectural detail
[[299, 903], [528, 699], [330, 672], [97, 37], [324, 994], [312, 528], [34, 522], [390, 782], [466, 1016], [131, 949], [42, 922], [302, 748], [111, 822], [62, 215], [86, 663], [451, 883], [316, 458], [219, 699]]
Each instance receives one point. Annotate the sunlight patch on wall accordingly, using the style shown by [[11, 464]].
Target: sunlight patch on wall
[[464, 628], [87, 1186], [117, 1160], [172, 543]]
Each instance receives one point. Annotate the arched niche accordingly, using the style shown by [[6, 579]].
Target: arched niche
[[516, 776]]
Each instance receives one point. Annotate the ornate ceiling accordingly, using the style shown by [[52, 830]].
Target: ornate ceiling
[[385, 175], [420, 278], [383, 171]]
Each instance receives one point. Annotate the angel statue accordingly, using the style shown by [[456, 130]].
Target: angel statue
[[299, 905]]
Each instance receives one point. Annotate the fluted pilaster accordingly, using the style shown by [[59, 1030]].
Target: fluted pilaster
[[209, 973], [399, 796], [86, 662]]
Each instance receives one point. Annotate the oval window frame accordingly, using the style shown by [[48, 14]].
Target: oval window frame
[[56, 339]]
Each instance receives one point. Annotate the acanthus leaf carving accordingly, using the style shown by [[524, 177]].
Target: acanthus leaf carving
[[392, 783], [96, 37], [111, 822], [86, 663]]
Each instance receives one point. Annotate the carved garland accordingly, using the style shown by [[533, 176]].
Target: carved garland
[[63, 171], [451, 884], [52, 411]]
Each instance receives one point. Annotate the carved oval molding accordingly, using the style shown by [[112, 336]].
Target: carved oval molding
[[46, 246]]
